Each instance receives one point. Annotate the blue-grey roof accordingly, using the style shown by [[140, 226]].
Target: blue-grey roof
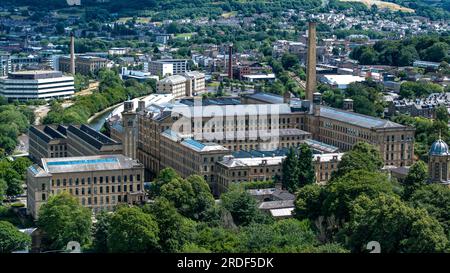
[[267, 97], [439, 147], [357, 119]]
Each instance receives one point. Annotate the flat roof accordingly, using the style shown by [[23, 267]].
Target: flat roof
[[266, 97], [88, 163], [343, 79]]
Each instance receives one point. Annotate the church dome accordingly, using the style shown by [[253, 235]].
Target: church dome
[[439, 147]]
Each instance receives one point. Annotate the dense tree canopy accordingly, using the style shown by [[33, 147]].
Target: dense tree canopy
[[362, 156], [133, 231], [63, 220], [395, 225], [404, 52], [11, 239]]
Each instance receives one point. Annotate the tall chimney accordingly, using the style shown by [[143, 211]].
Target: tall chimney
[[230, 62], [72, 54], [311, 62]]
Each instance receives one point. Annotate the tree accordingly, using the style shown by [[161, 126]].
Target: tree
[[341, 192], [442, 114], [362, 156], [216, 239], [436, 52], [308, 204], [11, 239], [241, 205], [284, 236], [165, 176], [3, 187], [306, 170], [133, 231], [203, 199], [63, 220], [175, 230], [14, 187], [398, 227], [416, 178], [289, 60], [435, 199], [101, 229], [290, 171]]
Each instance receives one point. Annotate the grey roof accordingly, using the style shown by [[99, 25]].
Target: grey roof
[[266, 97], [277, 204], [357, 119], [88, 163]]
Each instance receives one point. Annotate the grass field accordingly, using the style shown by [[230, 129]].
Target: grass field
[[140, 20], [382, 5], [229, 14]]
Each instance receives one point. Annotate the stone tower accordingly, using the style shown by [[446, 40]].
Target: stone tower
[[129, 129], [311, 62], [438, 162]]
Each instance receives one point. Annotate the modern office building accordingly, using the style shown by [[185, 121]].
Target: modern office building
[[36, 84], [5, 64], [160, 67], [98, 182]]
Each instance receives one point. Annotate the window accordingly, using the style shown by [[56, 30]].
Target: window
[[43, 197], [138, 177], [43, 187]]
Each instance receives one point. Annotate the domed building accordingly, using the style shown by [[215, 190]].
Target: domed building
[[438, 162]]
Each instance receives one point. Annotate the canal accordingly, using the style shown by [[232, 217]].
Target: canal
[[97, 123]]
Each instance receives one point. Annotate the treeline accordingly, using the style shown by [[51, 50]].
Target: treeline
[[111, 91], [404, 52], [362, 204], [427, 130], [367, 97], [14, 121]]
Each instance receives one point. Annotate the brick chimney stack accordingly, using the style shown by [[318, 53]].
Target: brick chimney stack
[[72, 54], [311, 62]]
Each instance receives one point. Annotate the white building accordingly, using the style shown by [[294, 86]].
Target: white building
[[36, 84], [340, 81], [179, 66], [137, 75], [160, 69]]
